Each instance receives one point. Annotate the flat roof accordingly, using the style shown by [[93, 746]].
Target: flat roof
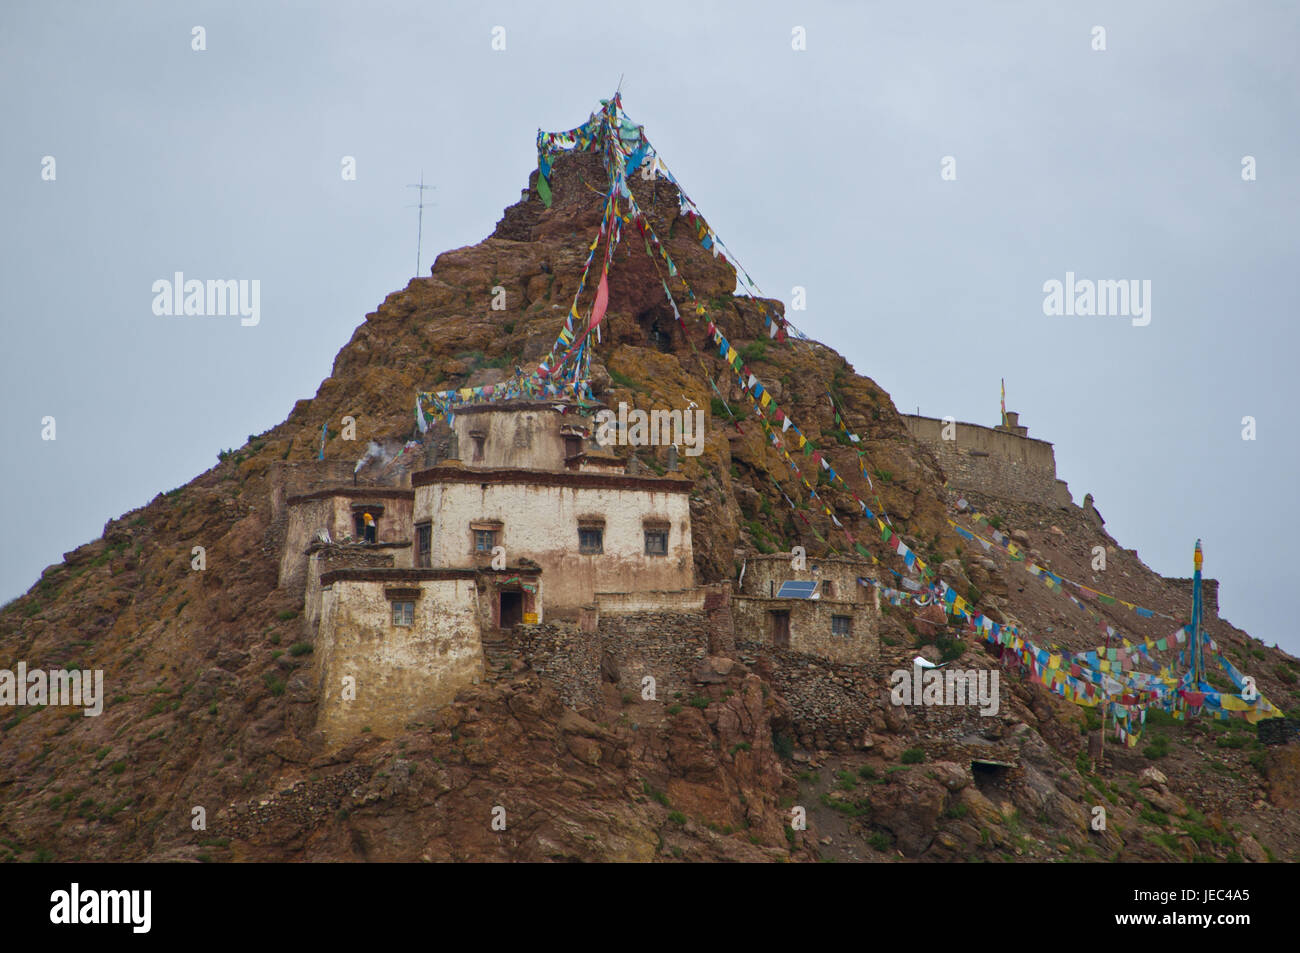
[[390, 575], [964, 423], [513, 406], [356, 493], [512, 476]]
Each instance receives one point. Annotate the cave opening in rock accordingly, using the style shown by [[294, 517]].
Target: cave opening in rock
[[989, 774], [659, 329]]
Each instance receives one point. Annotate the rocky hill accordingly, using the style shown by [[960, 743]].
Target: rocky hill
[[209, 703]]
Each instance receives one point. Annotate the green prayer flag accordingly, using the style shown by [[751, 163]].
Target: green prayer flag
[[543, 190]]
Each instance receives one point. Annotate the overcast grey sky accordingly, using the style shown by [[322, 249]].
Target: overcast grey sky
[[819, 168]]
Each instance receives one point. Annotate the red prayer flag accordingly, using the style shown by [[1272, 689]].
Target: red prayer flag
[[602, 302]]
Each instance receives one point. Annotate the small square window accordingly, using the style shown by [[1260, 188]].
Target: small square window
[[656, 542], [842, 625], [404, 613], [591, 540], [485, 540], [827, 591]]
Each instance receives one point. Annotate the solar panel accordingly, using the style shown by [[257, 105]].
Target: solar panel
[[796, 589]]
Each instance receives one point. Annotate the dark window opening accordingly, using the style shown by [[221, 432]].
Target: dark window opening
[[572, 446], [827, 589], [591, 541], [480, 441], [842, 625], [423, 545], [404, 614], [484, 540], [656, 542]]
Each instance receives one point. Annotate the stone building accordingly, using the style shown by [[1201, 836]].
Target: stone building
[[1001, 461], [523, 522], [831, 615]]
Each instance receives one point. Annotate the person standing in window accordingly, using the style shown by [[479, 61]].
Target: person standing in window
[[370, 528]]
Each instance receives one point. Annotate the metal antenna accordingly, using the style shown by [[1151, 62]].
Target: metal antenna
[[419, 235]]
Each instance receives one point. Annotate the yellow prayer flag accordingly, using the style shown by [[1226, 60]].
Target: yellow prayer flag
[[1233, 703]]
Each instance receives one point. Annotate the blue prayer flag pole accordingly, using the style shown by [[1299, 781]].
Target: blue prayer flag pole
[[1197, 665]]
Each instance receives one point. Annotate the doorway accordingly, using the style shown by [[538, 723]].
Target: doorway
[[780, 629], [512, 609]]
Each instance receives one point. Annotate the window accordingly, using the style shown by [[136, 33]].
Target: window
[[367, 530], [827, 590], [572, 445], [842, 625], [484, 540], [423, 544], [656, 542], [479, 442], [404, 613], [591, 540], [365, 521]]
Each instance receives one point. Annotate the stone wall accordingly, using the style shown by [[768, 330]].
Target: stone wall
[[810, 626], [665, 645], [834, 706], [997, 462], [401, 673], [565, 656]]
